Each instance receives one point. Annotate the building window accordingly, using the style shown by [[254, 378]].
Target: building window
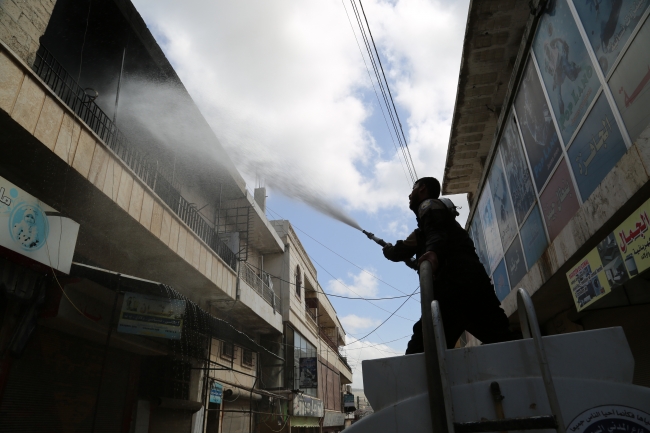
[[227, 350], [298, 280], [247, 358]]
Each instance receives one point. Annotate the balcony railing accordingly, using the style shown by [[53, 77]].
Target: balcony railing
[[249, 275], [156, 175], [328, 339]]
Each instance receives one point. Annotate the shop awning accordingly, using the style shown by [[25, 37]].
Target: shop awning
[[305, 421], [215, 327]]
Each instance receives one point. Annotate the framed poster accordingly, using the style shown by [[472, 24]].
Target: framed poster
[[533, 237], [559, 201], [490, 228], [308, 373], [476, 232], [608, 25], [597, 148], [502, 203], [537, 128], [630, 84], [586, 280], [515, 263], [567, 71], [521, 186], [500, 280]]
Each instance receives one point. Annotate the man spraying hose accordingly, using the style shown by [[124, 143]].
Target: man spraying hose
[[462, 287]]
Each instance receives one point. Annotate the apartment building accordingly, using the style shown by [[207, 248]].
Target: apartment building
[[550, 139]]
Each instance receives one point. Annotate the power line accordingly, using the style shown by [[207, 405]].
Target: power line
[[388, 318], [373, 345]]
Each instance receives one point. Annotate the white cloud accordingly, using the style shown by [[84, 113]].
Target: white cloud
[[363, 285], [353, 323], [280, 84], [359, 351]]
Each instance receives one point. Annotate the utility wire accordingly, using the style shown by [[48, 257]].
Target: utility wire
[[388, 318]]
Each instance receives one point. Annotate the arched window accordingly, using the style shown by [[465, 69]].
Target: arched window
[[298, 280]]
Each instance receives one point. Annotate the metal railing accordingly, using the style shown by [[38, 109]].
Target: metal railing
[[156, 175], [249, 275], [331, 343]]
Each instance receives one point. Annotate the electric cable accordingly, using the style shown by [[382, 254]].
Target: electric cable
[[388, 318]]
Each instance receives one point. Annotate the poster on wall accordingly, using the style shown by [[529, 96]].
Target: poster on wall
[[502, 203], [613, 265], [587, 281], [35, 230], [308, 373], [515, 263], [500, 281], [153, 316], [490, 228], [559, 201], [630, 84], [216, 393], [537, 128], [597, 148], [521, 186], [476, 232], [533, 237], [633, 240], [608, 25], [568, 74]]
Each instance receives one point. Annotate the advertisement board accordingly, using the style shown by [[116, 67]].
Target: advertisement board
[[630, 84], [537, 129], [567, 71], [533, 237], [216, 393], [608, 25], [559, 201], [490, 228], [304, 405], [152, 316], [597, 148], [521, 185], [348, 400], [633, 240], [33, 229], [476, 233], [308, 373], [502, 203], [500, 281], [586, 280], [515, 263]]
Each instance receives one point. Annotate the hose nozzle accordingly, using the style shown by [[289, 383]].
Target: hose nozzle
[[371, 236]]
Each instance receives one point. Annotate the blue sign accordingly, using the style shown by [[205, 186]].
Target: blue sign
[[533, 237], [521, 186], [490, 228], [608, 25], [216, 392], [567, 71], [502, 203], [515, 263], [537, 128], [500, 279], [28, 226], [596, 149], [476, 232]]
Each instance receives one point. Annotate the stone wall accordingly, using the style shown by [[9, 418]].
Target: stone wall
[[22, 23]]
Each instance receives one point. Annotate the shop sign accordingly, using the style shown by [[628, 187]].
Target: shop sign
[[31, 228], [622, 255], [348, 400], [304, 405], [308, 373], [333, 419], [216, 392], [152, 316]]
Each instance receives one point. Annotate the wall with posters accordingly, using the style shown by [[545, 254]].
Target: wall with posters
[[583, 100]]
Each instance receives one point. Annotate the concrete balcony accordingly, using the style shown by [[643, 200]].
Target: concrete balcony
[[125, 225]]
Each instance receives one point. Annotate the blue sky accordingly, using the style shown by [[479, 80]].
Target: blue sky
[[285, 89]]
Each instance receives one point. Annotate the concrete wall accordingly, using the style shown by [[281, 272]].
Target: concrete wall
[[22, 23]]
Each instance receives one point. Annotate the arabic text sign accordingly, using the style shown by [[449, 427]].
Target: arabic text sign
[[31, 228], [216, 392], [610, 418], [587, 280], [633, 240], [304, 405], [559, 201], [152, 316]]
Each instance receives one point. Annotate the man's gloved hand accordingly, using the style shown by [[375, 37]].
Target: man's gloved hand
[[386, 250], [430, 257]]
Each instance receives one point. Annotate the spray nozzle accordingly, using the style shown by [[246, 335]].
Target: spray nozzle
[[375, 238]]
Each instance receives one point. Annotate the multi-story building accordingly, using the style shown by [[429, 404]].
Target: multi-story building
[[550, 141], [133, 296]]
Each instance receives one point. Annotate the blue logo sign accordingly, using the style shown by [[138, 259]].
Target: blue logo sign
[[28, 226]]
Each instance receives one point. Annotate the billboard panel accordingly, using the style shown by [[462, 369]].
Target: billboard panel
[[490, 228], [476, 232], [559, 201], [537, 128], [597, 148], [630, 84], [152, 316], [521, 186], [500, 281], [608, 25], [633, 240], [568, 74], [502, 203], [586, 280], [515, 263], [533, 237]]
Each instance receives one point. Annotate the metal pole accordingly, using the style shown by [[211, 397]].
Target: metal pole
[[119, 84], [434, 381]]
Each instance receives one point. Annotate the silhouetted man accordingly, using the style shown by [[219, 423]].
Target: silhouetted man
[[461, 286]]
